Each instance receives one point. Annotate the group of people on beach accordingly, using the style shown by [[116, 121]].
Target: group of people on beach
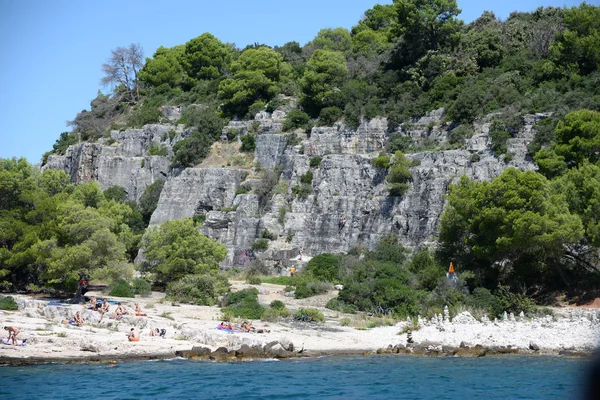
[[243, 327]]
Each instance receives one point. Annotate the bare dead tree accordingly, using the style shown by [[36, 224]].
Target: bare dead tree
[[122, 69]]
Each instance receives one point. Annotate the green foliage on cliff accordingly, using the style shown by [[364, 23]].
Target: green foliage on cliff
[[398, 174]]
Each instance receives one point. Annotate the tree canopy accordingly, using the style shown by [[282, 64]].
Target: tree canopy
[[176, 249], [508, 230]]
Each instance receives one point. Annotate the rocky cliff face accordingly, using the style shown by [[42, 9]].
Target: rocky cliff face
[[123, 160], [345, 183]]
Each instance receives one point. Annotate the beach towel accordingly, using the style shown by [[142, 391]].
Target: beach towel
[[222, 328], [6, 342]]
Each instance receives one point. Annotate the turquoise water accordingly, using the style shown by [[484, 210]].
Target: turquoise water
[[377, 377]]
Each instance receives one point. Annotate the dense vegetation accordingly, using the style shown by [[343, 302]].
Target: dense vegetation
[[523, 234], [400, 61]]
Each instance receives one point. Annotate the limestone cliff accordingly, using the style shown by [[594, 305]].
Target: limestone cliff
[[345, 183], [125, 159]]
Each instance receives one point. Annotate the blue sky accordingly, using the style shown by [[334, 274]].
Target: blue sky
[[52, 51]]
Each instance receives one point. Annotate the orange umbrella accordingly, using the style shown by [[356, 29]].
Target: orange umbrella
[[451, 270]]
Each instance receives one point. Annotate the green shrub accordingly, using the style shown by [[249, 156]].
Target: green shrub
[[279, 280], [399, 142], [282, 213], [255, 108], [257, 267], [311, 288], [336, 304], [325, 267], [248, 143], [399, 175], [377, 322], [253, 280], [511, 302], [269, 315], [244, 304], [203, 289], [266, 234], [329, 115], [277, 304], [307, 178], [8, 303], [147, 113], [458, 135], [398, 189], [295, 119], [382, 161], [413, 326], [199, 219], [302, 191], [344, 321], [260, 245], [253, 128], [275, 103], [191, 150], [498, 139], [141, 287], [309, 315], [157, 150], [121, 289], [241, 190], [149, 199], [65, 140], [277, 310], [315, 162]]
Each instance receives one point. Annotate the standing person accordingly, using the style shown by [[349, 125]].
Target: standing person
[[278, 267], [12, 334], [292, 271], [341, 223], [82, 287]]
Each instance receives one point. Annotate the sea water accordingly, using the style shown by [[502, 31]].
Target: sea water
[[372, 377]]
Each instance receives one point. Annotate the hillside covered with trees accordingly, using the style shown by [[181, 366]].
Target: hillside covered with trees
[[523, 236]]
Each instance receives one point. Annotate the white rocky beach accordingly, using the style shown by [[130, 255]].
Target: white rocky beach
[[570, 331]]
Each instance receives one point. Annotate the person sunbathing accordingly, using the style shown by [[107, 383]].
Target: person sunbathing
[[247, 327], [120, 311], [158, 332], [93, 304], [227, 325], [78, 319], [133, 335], [138, 311], [104, 307]]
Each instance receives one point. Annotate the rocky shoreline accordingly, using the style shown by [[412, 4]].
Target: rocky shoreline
[[192, 333]]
